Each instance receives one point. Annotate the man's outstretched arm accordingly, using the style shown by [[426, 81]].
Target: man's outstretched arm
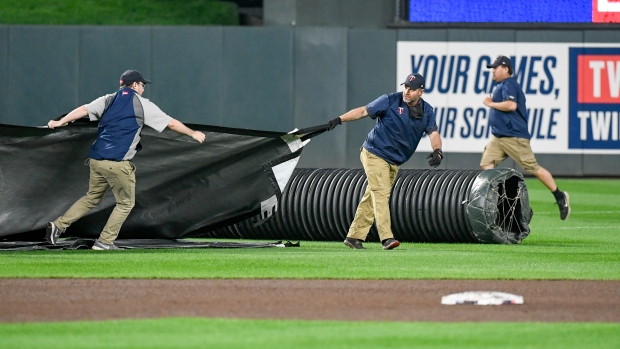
[[177, 126]]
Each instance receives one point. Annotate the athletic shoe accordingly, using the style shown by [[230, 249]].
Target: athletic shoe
[[390, 244], [101, 246], [52, 232], [564, 206], [354, 243]]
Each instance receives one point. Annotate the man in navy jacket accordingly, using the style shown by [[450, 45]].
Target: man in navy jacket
[[402, 118]]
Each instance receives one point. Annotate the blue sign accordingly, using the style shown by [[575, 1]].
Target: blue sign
[[594, 98], [540, 11]]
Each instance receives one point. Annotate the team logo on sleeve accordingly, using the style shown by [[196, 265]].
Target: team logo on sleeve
[[594, 100]]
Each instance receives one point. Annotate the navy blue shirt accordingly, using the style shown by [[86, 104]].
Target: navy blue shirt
[[396, 134], [509, 123]]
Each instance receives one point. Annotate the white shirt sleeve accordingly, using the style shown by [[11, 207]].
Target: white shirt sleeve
[[96, 107], [153, 116]]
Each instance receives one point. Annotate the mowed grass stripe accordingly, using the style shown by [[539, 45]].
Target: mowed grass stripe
[[258, 334], [555, 249]]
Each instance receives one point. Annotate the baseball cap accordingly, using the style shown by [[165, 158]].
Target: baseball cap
[[501, 60], [414, 81], [131, 76]]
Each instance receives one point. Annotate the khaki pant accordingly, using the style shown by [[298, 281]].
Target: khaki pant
[[121, 176], [519, 149], [375, 204]]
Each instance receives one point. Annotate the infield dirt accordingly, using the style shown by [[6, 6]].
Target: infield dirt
[[27, 300]]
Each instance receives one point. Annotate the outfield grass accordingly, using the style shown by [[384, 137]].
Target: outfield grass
[[118, 12], [586, 246], [269, 334]]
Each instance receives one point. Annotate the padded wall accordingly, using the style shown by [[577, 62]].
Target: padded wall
[[266, 78]]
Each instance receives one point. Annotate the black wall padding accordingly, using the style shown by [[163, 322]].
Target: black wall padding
[[319, 204]]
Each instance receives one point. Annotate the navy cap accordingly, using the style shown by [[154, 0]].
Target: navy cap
[[131, 76], [414, 81], [501, 60]]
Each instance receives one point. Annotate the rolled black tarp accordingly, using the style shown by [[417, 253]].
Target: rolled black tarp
[[499, 208], [183, 187], [426, 206]]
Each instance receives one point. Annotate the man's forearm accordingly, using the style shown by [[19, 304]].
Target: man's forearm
[[354, 114], [435, 140], [177, 126], [75, 114]]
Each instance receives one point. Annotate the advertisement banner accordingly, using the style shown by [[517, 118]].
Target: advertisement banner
[[572, 92]]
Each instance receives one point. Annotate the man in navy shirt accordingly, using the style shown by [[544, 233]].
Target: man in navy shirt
[[510, 135], [402, 118], [121, 116]]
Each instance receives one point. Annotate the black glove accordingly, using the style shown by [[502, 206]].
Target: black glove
[[333, 123], [435, 158]]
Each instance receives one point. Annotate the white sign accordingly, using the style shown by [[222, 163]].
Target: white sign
[[562, 117]]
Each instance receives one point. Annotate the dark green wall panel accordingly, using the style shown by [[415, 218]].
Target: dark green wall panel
[[106, 52], [422, 35], [499, 35], [549, 36], [601, 36], [257, 84], [187, 67], [321, 91], [601, 165], [43, 73], [4, 74]]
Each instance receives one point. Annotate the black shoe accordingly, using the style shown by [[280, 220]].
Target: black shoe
[[390, 244], [52, 232], [564, 206], [101, 246], [354, 243]]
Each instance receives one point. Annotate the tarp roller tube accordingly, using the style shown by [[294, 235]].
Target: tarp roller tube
[[451, 206]]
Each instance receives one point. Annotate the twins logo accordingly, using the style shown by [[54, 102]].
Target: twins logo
[[401, 110], [594, 98]]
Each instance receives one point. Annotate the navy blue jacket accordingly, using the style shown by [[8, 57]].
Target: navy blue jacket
[[396, 134]]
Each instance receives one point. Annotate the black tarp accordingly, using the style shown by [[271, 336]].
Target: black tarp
[[183, 188], [81, 244], [498, 208]]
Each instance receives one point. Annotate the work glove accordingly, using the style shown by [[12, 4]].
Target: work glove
[[435, 158], [333, 123]]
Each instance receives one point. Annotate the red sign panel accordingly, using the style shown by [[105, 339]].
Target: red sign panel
[[598, 79], [606, 11]]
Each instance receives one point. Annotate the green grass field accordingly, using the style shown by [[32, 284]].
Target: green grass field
[[118, 12], [585, 247]]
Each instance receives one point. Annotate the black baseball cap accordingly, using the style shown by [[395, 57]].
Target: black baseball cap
[[414, 81], [131, 76], [501, 60]]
